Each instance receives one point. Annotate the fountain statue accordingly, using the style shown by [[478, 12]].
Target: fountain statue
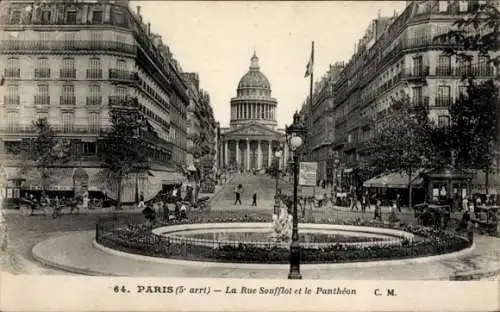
[[282, 224]]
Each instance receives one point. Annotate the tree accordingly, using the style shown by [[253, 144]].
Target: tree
[[402, 142], [124, 148], [477, 30], [475, 116], [474, 126], [44, 151]]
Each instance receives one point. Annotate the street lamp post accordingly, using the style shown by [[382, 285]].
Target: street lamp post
[[294, 139], [277, 154]]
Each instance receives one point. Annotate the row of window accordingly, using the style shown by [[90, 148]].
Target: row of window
[[67, 122], [88, 149], [81, 35], [258, 92], [67, 90], [68, 67], [42, 97], [253, 111]]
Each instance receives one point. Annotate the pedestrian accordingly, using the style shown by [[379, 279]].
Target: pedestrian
[[392, 217], [465, 203], [378, 210], [149, 214], [364, 203], [56, 208], [398, 202], [254, 199], [237, 192], [141, 204], [85, 201], [183, 212], [353, 202], [166, 211]]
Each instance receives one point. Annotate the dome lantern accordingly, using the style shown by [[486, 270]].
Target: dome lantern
[[254, 62]]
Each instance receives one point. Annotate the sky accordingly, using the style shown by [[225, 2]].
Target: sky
[[217, 40]]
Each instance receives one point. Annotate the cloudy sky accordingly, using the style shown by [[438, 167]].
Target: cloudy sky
[[217, 39]]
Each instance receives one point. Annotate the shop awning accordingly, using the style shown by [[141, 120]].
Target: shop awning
[[98, 179], [168, 177], [12, 172], [60, 179], [393, 180]]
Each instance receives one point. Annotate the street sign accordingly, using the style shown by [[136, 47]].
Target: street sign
[[307, 173]]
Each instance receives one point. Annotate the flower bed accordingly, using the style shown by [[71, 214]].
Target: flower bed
[[137, 238]]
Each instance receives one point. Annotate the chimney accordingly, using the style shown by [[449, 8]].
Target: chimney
[[149, 28]]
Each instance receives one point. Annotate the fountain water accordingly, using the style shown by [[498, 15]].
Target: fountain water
[[282, 225]]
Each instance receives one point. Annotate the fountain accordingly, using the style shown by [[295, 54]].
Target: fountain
[[282, 225]]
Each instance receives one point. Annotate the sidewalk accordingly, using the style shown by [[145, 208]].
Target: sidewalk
[[126, 209], [74, 252]]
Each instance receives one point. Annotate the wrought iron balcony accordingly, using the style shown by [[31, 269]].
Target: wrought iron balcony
[[120, 74], [416, 72], [42, 100], [418, 102], [11, 100], [42, 72], [77, 129], [120, 101], [94, 100], [67, 73], [443, 102], [16, 128], [482, 70], [94, 73], [67, 100], [12, 73], [64, 45], [444, 71]]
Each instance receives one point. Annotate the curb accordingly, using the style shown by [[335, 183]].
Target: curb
[[249, 266], [66, 268]]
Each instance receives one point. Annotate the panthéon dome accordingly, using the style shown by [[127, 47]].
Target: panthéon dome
[[254, 79]]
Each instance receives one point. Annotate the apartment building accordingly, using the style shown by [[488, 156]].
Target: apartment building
[[397, 57], [201, 124], [322, 123], [71, 62]]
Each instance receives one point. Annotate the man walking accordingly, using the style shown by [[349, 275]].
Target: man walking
[[254, 200], [237, 192]]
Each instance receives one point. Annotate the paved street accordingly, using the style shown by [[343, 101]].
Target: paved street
[[261, 184], [72, 236]]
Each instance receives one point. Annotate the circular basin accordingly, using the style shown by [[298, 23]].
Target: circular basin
[[260, 234]]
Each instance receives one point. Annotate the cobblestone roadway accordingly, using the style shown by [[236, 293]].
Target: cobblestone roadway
[[23, 232]]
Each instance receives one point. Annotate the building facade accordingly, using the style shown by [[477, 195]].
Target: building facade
[[201, 126], [396, 58], [250, 141], [70, 62], [322, 131]]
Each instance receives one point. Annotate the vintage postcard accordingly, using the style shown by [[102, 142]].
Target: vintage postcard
[[249, 155]]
